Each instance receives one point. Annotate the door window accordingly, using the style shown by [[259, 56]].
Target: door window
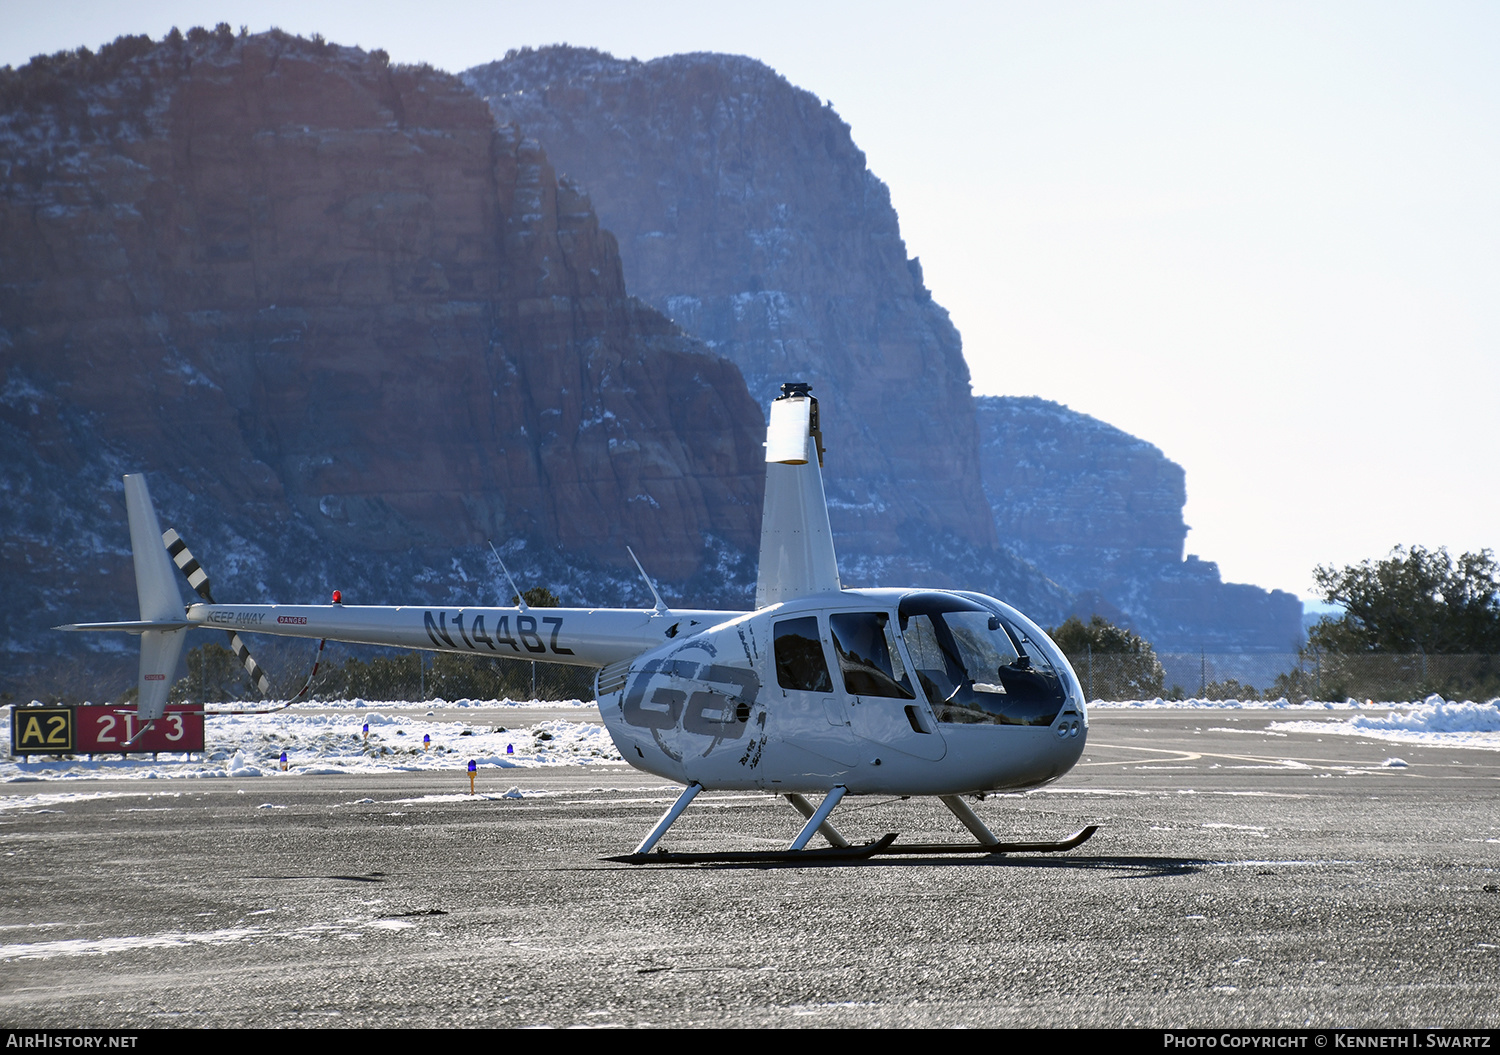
[[868, 657], [799, 656]]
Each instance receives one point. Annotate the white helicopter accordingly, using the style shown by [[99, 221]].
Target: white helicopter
[[819, 690]]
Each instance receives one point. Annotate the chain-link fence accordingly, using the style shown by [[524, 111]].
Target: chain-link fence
[[360, 672], [428, 676], [1310, 675]]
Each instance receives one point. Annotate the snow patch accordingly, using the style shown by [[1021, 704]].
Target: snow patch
[[1434, 722], [250, 746]]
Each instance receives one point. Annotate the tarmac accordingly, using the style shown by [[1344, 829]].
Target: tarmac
[[1242, 877]]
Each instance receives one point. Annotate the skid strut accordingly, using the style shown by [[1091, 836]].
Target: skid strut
[[673, 812], [960, 809], [820, 815], [826, 830]]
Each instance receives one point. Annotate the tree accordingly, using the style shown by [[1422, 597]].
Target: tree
[[538, 597], [214, 675], [1113, 663], [1415, 600]]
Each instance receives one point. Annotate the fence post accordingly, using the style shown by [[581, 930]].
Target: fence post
[[1090, 646], [533, 680]]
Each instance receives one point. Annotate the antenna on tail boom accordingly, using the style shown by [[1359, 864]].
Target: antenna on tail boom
[[661, 607], [520, 597]]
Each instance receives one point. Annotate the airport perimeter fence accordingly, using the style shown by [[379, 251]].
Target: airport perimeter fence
[[1296, 676], [347, 672], [423, 676]]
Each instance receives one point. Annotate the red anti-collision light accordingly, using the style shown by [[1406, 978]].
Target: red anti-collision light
[[338, 597]]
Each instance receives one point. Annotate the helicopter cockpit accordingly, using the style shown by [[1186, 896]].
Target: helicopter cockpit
[[976, 666]]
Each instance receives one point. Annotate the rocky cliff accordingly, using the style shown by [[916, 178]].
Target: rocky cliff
[[348, 327], [746, 213], [351, 327], [1100, 511]]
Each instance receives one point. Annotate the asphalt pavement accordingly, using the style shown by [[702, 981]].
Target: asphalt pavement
[[1241, 877]]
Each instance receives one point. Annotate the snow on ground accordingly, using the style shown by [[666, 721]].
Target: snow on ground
[[504, 705], [1282, 704], [1435, 722], [496, 736]]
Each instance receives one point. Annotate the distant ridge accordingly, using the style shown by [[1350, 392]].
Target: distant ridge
[[746, 212], [1100, 511]]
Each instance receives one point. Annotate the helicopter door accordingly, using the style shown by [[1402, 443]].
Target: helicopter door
[[809, 714], [883, 708]]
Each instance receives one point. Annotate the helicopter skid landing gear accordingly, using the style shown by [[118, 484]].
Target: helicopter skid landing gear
[[673, 812], [997, 848], [840, 849]]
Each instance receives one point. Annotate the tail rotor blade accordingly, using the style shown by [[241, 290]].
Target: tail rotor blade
[[257, 675], [197, 578], [177, 549]]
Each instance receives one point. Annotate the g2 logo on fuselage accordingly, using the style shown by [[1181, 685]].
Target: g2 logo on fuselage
[[709, 699]]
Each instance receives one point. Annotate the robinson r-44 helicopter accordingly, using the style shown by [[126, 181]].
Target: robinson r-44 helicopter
[[820, 690]]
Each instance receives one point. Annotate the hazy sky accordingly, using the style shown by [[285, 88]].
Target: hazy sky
[[1263, 236]]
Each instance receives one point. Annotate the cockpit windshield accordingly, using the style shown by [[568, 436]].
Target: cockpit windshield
[[975, 666]]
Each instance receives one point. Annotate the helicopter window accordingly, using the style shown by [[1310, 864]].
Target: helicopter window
[[868, 657], [938, 672], [799, 656], [976, 667], [1035, 655], [982, 648]]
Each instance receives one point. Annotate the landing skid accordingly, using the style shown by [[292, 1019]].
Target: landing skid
[[840, 850], [831, 853], [1078, 838], [883, 847]]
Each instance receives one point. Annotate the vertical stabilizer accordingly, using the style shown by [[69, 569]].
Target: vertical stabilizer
[[156, 586], [796, 545]]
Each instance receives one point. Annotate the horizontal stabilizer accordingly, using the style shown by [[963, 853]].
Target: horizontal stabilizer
[[134, 626]]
